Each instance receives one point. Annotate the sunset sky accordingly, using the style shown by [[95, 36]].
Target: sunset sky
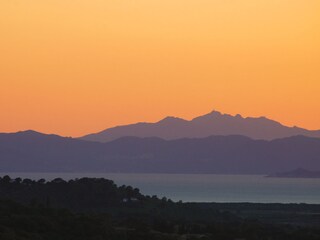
[[73, 67]]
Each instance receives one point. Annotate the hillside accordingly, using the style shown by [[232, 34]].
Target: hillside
[[35, 152]]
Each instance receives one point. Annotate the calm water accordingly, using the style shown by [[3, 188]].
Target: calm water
[[207, 187]]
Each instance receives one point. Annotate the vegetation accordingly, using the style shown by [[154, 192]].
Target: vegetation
[[97, 209]]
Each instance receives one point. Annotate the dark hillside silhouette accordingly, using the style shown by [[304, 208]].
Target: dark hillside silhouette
[[95, 208]]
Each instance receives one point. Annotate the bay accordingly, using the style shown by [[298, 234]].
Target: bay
[[206, 187]]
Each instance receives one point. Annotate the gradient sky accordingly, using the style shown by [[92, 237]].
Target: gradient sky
[[73, 67]]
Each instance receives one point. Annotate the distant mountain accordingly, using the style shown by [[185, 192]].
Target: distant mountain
[[297, 173], [213, 123], [35, 152]]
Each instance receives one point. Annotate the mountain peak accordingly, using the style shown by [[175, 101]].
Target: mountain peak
[[32, 134], [213, 123], [29, 132], [171, 119], [213, 115]]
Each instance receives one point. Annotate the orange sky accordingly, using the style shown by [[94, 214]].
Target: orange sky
[[73, 67]]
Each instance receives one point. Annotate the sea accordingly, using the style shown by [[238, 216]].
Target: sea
[[206, 187]]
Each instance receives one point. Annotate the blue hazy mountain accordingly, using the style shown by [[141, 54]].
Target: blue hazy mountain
[[33, 151], [210, 124]]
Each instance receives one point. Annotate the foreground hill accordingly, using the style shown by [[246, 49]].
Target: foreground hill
[[213, 123], [36, 152], [97, 209]]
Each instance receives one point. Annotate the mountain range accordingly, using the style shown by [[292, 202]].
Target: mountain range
[[30, 151], [214, 123]]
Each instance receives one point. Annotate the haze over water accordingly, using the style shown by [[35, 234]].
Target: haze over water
[[207, 187]]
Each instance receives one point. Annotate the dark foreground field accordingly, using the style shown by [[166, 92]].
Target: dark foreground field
[[97, 209]]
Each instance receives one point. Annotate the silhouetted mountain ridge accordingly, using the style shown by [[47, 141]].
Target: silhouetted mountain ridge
[[234, 154], [214, 123]]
